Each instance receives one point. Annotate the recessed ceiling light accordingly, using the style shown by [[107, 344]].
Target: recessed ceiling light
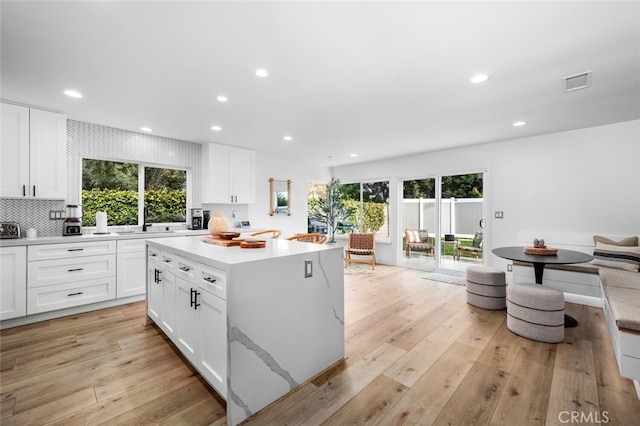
[[216, 128], [519, 123], [261, 72], [222, 98], [73, 93], [146, 129], [353, 155], [479, 78], [288, 138]]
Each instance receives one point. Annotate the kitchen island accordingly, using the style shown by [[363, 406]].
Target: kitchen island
[[256, 323]]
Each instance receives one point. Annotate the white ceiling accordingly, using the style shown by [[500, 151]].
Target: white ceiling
[[379, 79]]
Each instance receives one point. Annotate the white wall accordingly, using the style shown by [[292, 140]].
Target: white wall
[[584, 181], [300, 173]]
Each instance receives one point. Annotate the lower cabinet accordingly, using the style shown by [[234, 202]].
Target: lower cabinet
[[13, 282], [194, 316], [131, 268], [67, 275]]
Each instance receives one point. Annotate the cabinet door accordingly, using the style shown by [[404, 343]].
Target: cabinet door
[[131, 274], [186, 331], [168, 320], [48, 154], [14, 145], [212, 357], [242, 176], [216, 177], [154, 293], [13, 282]]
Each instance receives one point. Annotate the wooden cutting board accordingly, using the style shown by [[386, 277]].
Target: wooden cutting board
[[220, 241]]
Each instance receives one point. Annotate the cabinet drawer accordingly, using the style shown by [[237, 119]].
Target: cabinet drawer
[[60, 296], [131, 246], [67, 250], [48, 272], [153, 256], [187, 269], [213, 281], [168, 260]]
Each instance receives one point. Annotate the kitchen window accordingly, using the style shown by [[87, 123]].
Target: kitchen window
[[123, 189]]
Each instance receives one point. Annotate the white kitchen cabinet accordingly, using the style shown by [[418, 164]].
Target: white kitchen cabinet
[[154, 287], [13, 282], [198, 311], [70, 274], [34, 160], [228, 175], [187, 315], [161, 290], [212, 356], [131, 267]]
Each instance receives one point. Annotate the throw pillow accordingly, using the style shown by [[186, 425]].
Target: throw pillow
[[629, 241], [619, 257], [412, 236]]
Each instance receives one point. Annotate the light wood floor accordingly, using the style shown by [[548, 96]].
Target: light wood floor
[[416, 354]]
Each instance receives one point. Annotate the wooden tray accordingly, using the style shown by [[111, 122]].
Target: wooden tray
[[253, 244], [541, 251], [220, 241]]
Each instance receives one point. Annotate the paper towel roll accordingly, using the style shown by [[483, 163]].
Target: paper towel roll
[[101, 222]]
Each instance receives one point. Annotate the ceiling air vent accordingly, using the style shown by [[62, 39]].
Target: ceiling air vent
[[577, 81]]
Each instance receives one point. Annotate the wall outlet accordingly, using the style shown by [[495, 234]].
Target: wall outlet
[[509, 267], [56, 215], [499, 215], [308, 268]]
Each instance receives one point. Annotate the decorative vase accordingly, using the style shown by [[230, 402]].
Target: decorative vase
[[217, 224]]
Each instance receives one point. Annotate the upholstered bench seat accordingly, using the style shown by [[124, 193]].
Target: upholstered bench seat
[[535, 312]]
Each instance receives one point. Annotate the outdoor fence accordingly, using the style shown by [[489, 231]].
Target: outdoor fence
[[460, 216]]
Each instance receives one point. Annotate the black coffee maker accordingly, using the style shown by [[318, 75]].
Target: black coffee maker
[[194, 219], [206, 216]]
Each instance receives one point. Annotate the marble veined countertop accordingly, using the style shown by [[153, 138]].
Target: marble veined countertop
[[195, 248]]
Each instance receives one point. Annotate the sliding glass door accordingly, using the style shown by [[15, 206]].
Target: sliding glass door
[[442, 222]]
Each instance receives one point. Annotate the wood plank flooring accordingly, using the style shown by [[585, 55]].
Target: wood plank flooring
[[417, 354]]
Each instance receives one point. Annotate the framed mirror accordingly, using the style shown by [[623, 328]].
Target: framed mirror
[[279, 197]]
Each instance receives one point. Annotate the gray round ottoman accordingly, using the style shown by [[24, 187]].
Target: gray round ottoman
[[486, 287], [536, 312]]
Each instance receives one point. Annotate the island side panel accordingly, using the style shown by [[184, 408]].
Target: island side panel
[[283, 328]]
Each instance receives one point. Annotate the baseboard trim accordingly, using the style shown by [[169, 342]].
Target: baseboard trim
[[579, 299], [44, 316]]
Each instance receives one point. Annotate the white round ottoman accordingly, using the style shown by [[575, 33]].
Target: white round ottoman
[[536, 312], [486, 287]]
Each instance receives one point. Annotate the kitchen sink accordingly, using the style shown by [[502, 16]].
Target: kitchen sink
[[138, 232]]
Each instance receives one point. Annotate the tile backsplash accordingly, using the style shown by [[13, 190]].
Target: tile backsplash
[[87, 140], [32, 214]]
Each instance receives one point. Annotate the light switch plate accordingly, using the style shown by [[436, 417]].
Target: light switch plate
[[499, 214], [308, 268]]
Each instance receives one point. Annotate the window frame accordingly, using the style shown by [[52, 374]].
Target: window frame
[[142, 165], [362, 182]]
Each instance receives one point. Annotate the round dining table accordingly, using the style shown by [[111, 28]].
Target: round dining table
[[562, 256]]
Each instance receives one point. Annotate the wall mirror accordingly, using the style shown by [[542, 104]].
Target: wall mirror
[[280, 197]]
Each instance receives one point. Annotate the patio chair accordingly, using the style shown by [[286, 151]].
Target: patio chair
[[475, 248], [361, 245], [275, 233], [418, 240], [309, 238]]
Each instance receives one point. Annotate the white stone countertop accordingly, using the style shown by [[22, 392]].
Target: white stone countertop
[[214, 255], [84, 238]]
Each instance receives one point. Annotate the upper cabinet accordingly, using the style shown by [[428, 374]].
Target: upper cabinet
[[228, 175], [34, 159]]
